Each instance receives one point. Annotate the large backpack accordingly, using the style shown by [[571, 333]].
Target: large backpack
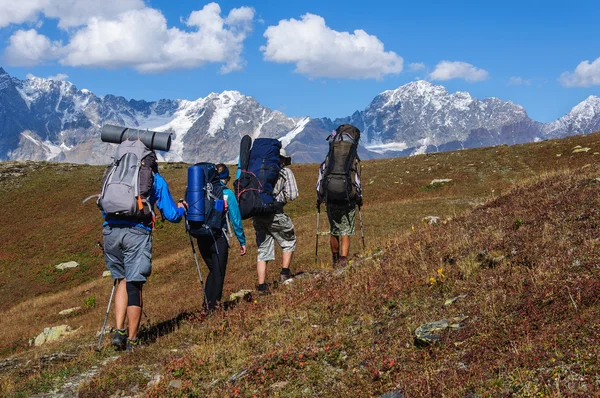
[[128, 185], [259, 171], [340, 166], [206, 213]]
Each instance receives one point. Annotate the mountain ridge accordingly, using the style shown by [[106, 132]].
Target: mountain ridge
[[44, 119]]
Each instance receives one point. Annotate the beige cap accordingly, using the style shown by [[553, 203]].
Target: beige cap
[[283, 153]]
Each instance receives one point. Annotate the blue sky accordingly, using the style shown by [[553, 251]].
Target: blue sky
[[309, 63]]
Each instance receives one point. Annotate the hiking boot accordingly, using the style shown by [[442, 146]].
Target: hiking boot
[[133, 345], [285, 275], [263, 289], [335, 259], [120, 339]]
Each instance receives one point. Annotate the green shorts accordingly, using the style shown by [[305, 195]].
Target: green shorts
[[341, 219]]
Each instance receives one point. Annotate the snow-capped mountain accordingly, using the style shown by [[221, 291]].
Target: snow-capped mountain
[[422, 117], [584, 118], [43, 119]]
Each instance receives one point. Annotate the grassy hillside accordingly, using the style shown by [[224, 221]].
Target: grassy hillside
[[519, 239]]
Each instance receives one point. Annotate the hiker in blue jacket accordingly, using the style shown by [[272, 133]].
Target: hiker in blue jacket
[[128, 256], [215, 248]]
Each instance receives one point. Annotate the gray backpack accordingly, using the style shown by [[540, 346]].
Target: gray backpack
[[128, 185]]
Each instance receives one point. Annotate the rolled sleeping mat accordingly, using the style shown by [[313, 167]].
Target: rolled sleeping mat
[[194, 194], [152, 139], [245, 146]]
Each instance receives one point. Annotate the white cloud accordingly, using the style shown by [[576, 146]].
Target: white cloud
[[414, 67], [519, 81], [18, 11], [319, 51], [59, 77], [28, 48], [70, 13], [586, 74], [141, 39], [447, 70]]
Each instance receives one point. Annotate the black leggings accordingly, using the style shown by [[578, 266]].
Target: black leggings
[[214, 251]]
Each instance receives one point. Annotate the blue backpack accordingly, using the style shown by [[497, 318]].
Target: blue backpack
[[206, 213], [265, 165], [259, 171]]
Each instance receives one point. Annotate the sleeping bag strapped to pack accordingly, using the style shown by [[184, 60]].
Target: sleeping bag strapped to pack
[[341, 164], [257, 179], [128, 184], [204, 195]]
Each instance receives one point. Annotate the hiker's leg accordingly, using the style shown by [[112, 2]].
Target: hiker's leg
[[261, 269], [120, 304], [334, 242], [287, 259], [345, 246], [114, 259], [221, 257], [283, 232], [134, 308], [346, 228], [137, 251], [208, 252], [266, 252], [334, 215]]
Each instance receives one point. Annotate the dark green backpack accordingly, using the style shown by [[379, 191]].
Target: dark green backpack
[[341, 166]]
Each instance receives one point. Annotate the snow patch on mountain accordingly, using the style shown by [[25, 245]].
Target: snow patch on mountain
[[258, 130], [224, 103], [389, 147], [178, 123], [422, 149], [51, 150], [286, 139]]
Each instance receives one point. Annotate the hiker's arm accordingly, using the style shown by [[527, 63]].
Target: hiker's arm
[[236, 218], [291, 188], [165, 202]]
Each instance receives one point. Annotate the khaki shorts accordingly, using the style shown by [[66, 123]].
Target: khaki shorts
[[342, 219], [271, 228]]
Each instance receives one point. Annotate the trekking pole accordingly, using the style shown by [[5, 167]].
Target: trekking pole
[[362, 230], [317, 235], [196, 259], [106, 316]]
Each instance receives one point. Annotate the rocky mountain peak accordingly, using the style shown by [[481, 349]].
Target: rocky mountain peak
[[53, 120], [588, 107], [227, 97]]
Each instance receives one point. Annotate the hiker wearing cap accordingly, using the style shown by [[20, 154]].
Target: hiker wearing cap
[[214, 248], [277, 227], [338, 186], [128, 233]]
